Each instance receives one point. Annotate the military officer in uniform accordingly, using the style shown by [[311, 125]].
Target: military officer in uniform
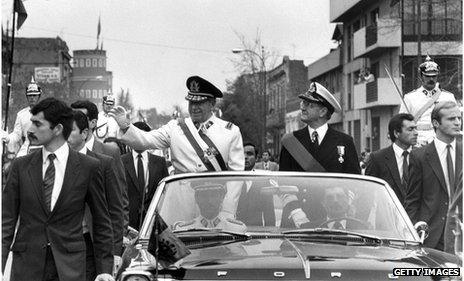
[[421, 101], [200, 143], [209, 198], [17, 140], [106, 126], [315, 148]]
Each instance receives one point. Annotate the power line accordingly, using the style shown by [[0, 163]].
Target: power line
[[133, 42]]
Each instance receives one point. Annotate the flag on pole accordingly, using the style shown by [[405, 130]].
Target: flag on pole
[[22, 14]]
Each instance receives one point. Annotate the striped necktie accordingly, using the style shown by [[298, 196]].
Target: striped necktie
[[49, 181]]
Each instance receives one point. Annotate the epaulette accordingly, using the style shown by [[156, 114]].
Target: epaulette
[[234, 221], [182, 224], [229, 125]]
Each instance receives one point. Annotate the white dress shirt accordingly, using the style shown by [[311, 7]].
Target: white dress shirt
[[442, 151], [135, 158], [399, 157], [321, 131], [60, 162], [90, 142]]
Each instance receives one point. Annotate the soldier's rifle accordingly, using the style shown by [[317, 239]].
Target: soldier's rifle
[[398, 91]]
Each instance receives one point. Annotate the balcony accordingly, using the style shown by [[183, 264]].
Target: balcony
[[380, 92], [373, 39]]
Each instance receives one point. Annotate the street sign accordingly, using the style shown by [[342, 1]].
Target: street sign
[[47, 74]]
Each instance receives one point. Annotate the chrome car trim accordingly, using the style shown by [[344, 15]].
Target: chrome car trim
[[221, 273], [336, 274], [279, 274], [304, 260]]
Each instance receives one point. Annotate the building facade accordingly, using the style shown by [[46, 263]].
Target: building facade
[[284, 83], [374, 42], [45, 59], [90, 79]]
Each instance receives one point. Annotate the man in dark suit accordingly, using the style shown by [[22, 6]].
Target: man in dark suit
[[315, 148], [113, 194], [433, 172], [392, 163], [47, 191], [254, 207], [143, 173], [91, 110]]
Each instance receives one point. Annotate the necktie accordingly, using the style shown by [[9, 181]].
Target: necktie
[[337, 225], [49, 181], [140, 173], [450, 167], [315, 138], [405, 177]]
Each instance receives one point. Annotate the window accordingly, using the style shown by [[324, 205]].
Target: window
[[100, 94], [100, 62], [94, 62], [81, 62], [88, 63], [94, 94], [87, 94], [76, 63], [82, 93]]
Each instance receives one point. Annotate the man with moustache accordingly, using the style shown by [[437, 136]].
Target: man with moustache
[[46, 192], [200, 143], [392, 163], [434, 174], [421, 101], [113, 196], [315, 148]]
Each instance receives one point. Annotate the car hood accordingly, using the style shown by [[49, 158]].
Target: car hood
[[258, 259]]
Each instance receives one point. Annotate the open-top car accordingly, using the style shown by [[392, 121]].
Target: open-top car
[[274, 226]]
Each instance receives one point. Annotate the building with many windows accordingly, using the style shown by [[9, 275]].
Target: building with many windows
[[90, 79], [284, 83], [45, 59], [381, 36]]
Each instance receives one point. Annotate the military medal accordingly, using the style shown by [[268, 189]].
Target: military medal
[[341, 153]]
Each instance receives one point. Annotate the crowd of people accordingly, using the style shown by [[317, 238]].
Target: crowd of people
[[75, 190]]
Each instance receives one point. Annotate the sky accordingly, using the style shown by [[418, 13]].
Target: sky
[[153, 46]]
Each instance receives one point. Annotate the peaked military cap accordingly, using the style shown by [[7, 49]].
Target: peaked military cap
[[209, 187], [429, 67], [319, 94], [109, 99], [33, 89], [200, 89]]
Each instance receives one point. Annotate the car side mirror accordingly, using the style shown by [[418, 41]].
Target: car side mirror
[[422, 229]]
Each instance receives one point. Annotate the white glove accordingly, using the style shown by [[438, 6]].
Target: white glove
[[4, 136], [117, 264], [104, 277], [121, 116]]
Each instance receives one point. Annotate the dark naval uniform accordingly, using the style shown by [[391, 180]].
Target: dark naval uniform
[[327, 154], [335, 153]]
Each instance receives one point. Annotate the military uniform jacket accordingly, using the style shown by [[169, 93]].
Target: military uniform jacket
[[327, 153], [106, 127], [18, 138], [415, 100], [219, 222], [224, 135]]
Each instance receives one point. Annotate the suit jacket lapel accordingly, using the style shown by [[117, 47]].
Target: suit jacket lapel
[[390, 160], [303, 136], [151, 173], [70, 175], [324, 148], [36, 179], [434, 162], [129, 163]]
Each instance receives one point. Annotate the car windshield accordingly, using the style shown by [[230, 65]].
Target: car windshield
[[281, 204]]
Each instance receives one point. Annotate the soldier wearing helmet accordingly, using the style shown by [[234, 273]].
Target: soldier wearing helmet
[[17, 140], [421, 101], [106, 126]]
